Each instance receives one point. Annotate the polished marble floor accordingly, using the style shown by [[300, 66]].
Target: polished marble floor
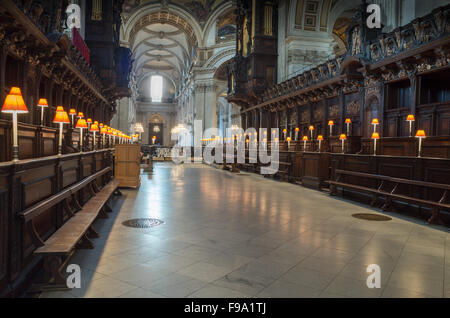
[[242, 235]]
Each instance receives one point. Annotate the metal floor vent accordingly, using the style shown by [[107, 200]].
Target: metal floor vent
[[142, 223], [371, 217]]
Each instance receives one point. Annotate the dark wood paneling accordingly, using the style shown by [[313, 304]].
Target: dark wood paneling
[[33, 181]]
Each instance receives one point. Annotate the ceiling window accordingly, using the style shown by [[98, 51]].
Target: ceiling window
[[157, 88]]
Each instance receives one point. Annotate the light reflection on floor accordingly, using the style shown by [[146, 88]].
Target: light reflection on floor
[[246, 236]]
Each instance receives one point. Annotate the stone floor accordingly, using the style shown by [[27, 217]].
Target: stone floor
[[237, 236]]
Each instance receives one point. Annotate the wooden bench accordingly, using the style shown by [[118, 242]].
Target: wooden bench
[[392, 193], [77, 231], [284, 166]]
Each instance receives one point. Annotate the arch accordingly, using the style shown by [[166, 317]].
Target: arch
[[156, 13], [156, 119], [223, 8], [339, 8], [218, 59]]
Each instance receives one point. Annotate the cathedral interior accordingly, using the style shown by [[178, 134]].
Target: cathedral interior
[[224, 149]]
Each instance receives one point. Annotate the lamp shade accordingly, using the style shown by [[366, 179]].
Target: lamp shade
[[320, 137], [61, 116], [96, 123], [80, 115], [375, 135], [420, 134], [110, 132], [331, 123], [42, 102], [297, 129], [104, 131], [89, 121], [375, 121], [101, 125], [342, 137], [410, 118], [94, 128], [311, 128], [285, 130], [305, 138], [288, 139], [81, 124], [14, 102], [348, 121], [72, 112]]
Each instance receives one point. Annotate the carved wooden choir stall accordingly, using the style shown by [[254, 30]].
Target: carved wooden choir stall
[[380, 112], [58, 93]]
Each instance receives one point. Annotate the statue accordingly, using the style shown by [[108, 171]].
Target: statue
[[356, 41]]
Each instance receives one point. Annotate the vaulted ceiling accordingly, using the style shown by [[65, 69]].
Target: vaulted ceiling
[[168, 37], [161, 48]]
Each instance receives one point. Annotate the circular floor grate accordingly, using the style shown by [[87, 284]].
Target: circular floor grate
[[142, 223], [371, 217]]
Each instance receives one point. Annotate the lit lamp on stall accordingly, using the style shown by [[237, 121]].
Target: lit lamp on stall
[[311, 129], [94, 129], [375, 123], [305, 139], [410, 119], [42, 104], [331, 124], [320, 139], [421, 135], [296, 133], [80, 115], [89, 122], [110, 133], [14, 104], [81, 124], [348, 122], [104, 132], [154, 139], [61, 118], [343, 138], [289, 139], [284, 133], [375, 137], [72, 114]]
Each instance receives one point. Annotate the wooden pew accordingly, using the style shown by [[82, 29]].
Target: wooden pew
[[392, 193], [77, 231]]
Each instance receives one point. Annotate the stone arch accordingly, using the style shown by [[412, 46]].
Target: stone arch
[[155, 13], [156, 119], [220, 58], [223, 8], [338, 10]]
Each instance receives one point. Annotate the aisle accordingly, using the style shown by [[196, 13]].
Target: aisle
[[228, 235]]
